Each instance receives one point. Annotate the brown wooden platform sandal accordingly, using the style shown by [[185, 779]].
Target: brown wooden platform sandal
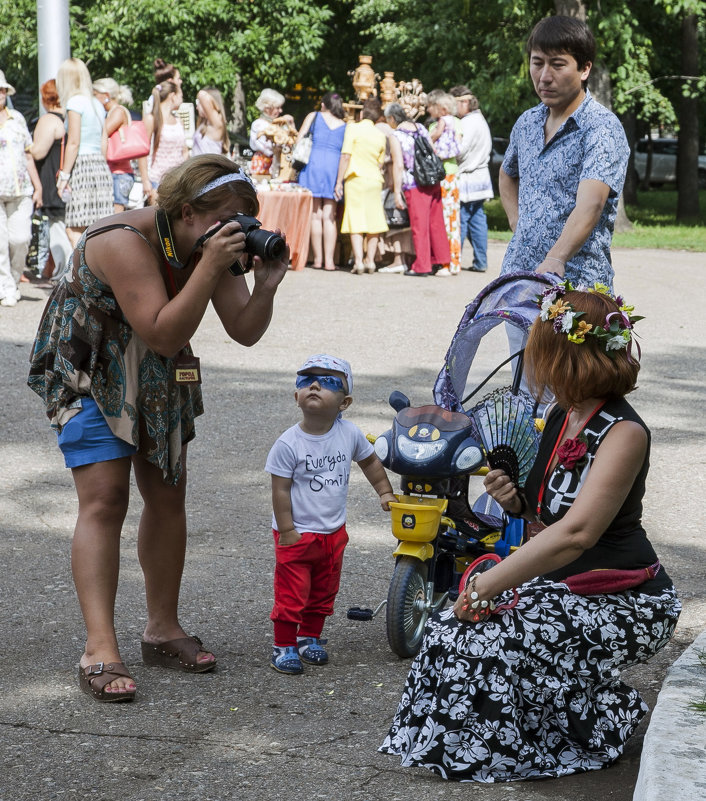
[[93, 680], [176, 654]]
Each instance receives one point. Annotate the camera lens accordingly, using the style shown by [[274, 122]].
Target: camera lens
[[265, 244]]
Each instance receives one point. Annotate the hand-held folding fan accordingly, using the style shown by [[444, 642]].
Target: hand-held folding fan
[[505, 424]]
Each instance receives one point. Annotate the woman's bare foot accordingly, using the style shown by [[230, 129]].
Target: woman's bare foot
[[155, 637], [122, 683]]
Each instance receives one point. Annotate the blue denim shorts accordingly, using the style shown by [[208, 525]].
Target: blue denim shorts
[[87, 438], [122, 184]]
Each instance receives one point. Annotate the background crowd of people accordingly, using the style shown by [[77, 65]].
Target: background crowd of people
[[367, 165], [64, 174], [61, 172]]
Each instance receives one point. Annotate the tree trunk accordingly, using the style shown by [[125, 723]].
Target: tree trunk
[[571, 8], [688, 154], [239, 124], [629, 121]]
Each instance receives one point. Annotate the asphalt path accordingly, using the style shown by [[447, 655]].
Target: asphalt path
[[245, 732]]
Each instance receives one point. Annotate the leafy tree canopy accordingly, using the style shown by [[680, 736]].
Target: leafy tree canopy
[[315, 43]]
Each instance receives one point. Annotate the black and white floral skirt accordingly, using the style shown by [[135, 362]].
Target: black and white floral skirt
[[535, 691]]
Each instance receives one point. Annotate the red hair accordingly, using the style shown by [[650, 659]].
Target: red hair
[[49, 93], [574, 372]]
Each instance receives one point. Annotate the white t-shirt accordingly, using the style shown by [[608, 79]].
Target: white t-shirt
[[320, 468], [92, 119]]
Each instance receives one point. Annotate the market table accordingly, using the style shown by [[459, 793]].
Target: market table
[[288, 209]]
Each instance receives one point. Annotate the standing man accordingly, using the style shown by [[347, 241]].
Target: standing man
[[565, 166], [475, 186], [19, 187]]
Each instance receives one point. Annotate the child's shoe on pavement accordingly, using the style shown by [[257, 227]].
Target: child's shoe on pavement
[[311, 650], [285, 659]]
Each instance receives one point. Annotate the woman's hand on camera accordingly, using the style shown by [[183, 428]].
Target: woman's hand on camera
[[501, 489], [226, 246], [269, 274]]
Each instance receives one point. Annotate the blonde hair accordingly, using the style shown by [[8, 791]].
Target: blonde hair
[[73, 78], [110, 87], [269, 98], [438, 97], [181, 184], [220, 106]]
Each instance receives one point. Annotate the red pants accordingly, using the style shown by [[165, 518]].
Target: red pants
[[426, 219], [307, 577]]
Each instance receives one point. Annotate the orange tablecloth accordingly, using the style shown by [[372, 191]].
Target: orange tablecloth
[[291, 213]]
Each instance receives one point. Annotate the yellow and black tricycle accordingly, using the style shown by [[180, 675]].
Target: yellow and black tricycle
[[436, 449]]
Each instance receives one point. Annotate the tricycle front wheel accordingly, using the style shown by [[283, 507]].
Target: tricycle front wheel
[[407, 610]]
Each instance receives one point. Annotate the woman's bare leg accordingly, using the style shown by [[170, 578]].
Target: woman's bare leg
[[330, 232], [357, 248], [371, 251], [74, 234], [317, 231], [103, 492], [161, 546]]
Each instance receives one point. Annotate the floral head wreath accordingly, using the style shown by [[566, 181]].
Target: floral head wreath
[[615, 334]]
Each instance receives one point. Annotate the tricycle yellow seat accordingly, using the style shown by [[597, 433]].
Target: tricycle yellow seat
[[416, 519]]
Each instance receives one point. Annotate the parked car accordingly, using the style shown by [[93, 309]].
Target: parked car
[[664, 162]]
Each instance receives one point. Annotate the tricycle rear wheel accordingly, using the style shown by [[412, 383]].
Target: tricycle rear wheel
[[406, 606]]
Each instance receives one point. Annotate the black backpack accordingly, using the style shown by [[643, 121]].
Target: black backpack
[[428, 167]]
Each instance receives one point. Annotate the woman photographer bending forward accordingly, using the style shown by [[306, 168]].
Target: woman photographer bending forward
[[112, 343]]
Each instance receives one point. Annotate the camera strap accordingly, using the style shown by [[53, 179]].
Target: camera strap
[[167, 242], [187, 367]]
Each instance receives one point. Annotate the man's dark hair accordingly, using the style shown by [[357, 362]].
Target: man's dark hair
[[558, 34]]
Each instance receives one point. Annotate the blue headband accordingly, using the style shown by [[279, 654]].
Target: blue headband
[[224, 179]]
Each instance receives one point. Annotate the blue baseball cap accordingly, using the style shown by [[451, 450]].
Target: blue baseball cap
[[325, 362]]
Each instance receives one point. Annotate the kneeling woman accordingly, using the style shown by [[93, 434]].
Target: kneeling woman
[[113, 364], [534, 691]]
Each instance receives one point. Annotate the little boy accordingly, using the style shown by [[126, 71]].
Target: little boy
[[310, 467]]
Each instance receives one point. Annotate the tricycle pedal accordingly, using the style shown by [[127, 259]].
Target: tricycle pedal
[[358, 613]]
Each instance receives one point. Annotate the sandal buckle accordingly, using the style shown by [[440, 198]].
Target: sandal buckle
[[98, 669]]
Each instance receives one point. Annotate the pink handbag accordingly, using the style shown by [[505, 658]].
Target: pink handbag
[[128, 142]]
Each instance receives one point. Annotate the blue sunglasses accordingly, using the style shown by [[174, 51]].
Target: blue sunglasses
[[331, 382]]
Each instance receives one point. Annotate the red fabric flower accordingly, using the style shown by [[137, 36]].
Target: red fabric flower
[[572, 452]]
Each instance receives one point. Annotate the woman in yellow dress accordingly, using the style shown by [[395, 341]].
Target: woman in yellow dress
[[362, 156]]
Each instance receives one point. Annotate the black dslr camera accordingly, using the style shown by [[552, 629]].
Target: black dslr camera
[[258, 241]]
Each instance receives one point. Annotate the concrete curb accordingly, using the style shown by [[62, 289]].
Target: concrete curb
[[673, 762]]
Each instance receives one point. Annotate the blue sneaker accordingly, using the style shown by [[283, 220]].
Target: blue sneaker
[[285, 659], [311, 650]]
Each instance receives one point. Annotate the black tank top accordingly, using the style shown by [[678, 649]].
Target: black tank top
[[624, 544], [47, 169]]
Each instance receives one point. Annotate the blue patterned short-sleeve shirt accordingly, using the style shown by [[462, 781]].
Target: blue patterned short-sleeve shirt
[[590, 144]]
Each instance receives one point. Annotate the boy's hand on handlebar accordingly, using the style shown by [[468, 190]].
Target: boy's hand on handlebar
[[385, 499], [289, 537], [501, 489]]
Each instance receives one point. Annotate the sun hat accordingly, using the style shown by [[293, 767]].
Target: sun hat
[[326, 362], [5, 85]]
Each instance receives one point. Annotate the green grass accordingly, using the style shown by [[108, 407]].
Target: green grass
[[654, 221]]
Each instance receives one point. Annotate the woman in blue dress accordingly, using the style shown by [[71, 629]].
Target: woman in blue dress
[[319, 175]]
